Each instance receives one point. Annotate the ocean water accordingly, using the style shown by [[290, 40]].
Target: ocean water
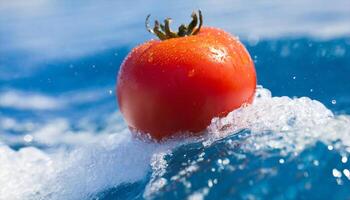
[[63, 137]]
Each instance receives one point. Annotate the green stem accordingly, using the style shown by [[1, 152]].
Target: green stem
[[164, 32]]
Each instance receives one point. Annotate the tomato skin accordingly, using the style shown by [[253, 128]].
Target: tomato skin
[[178, 85]]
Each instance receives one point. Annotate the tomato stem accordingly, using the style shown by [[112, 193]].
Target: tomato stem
[[164, 32]]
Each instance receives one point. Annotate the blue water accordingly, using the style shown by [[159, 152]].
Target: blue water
[[62, 136]]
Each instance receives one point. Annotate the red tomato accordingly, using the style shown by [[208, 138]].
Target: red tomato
[[179, 84]]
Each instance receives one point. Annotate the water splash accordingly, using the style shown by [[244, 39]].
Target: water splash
[[277, 127]]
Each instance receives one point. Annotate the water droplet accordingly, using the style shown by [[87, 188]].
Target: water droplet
[[281, 161], [255, 59], [344, 159], [330, 147], [336, 173], [334, 101], [346, 172], [190, 73], [150, 57], [210, 183], [294, 77], [28, 138], [226, 161], [110, 92]]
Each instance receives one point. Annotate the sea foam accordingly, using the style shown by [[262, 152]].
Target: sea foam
[[70, 163]]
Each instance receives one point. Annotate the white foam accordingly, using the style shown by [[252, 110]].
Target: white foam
[[295, 122], [76, 174], [83, 162]]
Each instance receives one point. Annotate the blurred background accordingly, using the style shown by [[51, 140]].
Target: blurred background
[[59, 59]]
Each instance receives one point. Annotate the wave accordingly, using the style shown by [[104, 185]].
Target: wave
[[61, 161]]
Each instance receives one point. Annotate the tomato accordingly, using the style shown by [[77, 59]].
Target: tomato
[[178, 84]]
